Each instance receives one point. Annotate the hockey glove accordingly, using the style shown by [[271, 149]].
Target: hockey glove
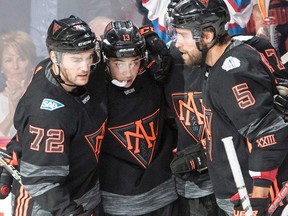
[[282, 86], [6, 180], [189, 162], [259, 205], [281, 99], [281, 104], [159, 58]]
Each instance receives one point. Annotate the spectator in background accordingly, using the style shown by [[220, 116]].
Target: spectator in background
[[35, 16], [279, 10], [98, 24], [17, 61]]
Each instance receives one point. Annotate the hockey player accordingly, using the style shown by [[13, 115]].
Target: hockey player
[[184, 95], [60, 127], [238, 102], [137, 149]]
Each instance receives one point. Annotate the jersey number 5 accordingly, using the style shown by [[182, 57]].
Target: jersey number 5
[[243, 96]]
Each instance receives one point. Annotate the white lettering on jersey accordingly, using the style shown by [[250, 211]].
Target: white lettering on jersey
[[129, 91], [231, 63], [86, 99], [49, 104]]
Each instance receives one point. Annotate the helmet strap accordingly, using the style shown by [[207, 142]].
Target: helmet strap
[[205, 50], [56, 61], [58, 76], [110, 79]]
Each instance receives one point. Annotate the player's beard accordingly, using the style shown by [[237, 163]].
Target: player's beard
[[194, 58]]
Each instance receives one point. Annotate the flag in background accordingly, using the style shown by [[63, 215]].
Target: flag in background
[[240, 13], [156, 13]]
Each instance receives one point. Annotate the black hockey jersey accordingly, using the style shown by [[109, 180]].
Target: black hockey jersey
[[239, 103], [184, 95], [59, 139], [268, 52], [137, 150]]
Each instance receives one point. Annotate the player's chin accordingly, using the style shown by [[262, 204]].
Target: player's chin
[[187, 61], [81, 82]]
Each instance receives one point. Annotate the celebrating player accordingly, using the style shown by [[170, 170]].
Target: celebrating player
[[59, 128], [238, 102]]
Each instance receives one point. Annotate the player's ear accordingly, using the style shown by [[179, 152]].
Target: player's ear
[[208, 36], [53, 57]]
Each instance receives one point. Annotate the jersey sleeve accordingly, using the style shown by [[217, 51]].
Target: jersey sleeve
[[247, 102], [43, 149]]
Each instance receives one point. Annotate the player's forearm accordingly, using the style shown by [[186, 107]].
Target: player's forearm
[[262, 182], [259, 23], [257, 17], [260, 191]]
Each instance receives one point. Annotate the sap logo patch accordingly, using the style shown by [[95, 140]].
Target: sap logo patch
[[49, 104], [230, 63]]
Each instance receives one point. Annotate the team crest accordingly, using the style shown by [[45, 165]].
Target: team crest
[[79, 27], [139, 137], [95, 140], [204, 2], [56, 27], [188, 107]]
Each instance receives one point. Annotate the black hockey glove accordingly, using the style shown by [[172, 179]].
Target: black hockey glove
[[281, 99], [159, 58], [281, 104], [259, 205], [6, 178], [189, 162]]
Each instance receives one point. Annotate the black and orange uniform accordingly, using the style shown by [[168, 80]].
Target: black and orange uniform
[[184, 95], [137, 149], [61, 135], [246, 112], [269, 53]]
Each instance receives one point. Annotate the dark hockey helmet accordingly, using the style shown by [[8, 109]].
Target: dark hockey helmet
[[70, 35], [197, 15], [123, 39]]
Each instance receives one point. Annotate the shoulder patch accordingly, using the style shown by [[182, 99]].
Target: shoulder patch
[[49, 104], [230, 63]]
